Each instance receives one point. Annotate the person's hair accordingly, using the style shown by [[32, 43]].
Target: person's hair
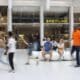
[[43, 39], [10, 34]]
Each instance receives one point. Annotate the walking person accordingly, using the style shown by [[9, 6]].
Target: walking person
[[29, 49], [2, 47], [11, 48], [76, 45]]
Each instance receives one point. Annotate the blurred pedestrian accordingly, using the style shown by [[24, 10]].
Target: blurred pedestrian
[[76, 45]]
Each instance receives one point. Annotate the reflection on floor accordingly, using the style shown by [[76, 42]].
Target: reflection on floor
[[56, 70]]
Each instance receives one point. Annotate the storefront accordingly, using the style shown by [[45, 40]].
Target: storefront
[[54, 19], [36, 19], [26, 22]]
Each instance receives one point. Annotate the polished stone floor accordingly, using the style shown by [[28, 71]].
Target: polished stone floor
[[55, 70]]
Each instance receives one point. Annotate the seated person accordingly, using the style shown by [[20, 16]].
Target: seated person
[[55, 45], [44, 40], [61, 49], [47, 49]]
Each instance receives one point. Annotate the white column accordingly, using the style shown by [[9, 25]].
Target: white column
[[71, 17], [9, 15], [41, 24], [47, 4]]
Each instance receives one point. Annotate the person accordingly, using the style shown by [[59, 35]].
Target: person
[[47, 49], [36, 42], [44, 40], [61, 49], [2, 47], [29, 49], [10, 50], [55, 45], [76, 45]]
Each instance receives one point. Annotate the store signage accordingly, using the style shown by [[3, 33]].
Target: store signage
[[56, 21]]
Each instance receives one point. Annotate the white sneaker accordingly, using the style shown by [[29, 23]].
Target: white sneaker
[[13, 71]]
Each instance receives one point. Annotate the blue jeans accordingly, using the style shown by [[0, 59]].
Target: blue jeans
[[1, 53], [35, 46], [77, 49], [29, 49]]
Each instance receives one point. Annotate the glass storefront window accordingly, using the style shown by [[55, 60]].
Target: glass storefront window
[[76, 17], [3, 19], [57, 24], [26, 23], [26, 17], [53, 17], [76, 20]]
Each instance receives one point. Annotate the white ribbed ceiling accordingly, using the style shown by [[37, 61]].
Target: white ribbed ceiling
[[34, 9], [26, 9], [75, 3]]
